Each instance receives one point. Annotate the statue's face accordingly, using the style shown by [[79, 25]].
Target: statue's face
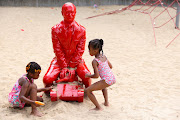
[[69, 12]]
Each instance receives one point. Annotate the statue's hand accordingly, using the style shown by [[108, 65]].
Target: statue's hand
[[70, 68], [72, 73], [64, 73], [68, 73]]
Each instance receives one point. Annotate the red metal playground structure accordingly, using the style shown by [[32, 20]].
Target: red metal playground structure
[[151, 5]]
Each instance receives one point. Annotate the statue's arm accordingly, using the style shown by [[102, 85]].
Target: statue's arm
[[77, 56], [58, 50]]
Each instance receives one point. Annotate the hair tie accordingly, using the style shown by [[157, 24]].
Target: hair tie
[[37, 70], [28, 67]]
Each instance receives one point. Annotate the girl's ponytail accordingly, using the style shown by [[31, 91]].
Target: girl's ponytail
[[101, 41], [101, 45]]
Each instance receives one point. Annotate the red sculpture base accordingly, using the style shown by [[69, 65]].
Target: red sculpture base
[[68, 92]]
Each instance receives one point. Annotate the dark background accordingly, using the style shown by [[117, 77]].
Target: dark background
[[57, 3]]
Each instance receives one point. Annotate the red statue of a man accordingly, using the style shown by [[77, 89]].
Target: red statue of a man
[[68, 38]]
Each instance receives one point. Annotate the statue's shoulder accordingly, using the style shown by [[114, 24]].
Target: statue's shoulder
[[57, 26], [82, 28]]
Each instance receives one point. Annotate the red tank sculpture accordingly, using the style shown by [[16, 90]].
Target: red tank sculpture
[[68, 88], [68, 92], [68, 38]]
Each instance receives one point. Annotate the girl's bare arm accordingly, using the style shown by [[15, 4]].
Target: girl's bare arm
[[110, 65], [44, 89], [95, 67]]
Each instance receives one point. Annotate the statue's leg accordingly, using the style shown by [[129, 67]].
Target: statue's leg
[[81, 71], [52, 74]]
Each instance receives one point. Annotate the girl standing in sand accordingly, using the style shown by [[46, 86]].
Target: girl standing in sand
[[25, 90], [102, 67]]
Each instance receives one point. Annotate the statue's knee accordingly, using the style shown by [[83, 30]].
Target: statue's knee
[[86, 82], [47, 80]]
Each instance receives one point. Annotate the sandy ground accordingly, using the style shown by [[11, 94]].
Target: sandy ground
[[148, 75]]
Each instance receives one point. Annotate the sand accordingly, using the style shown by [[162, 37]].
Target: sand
[[148, 75]]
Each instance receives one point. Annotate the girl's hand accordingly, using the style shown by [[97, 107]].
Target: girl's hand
[[34, 102], [48, 88], [87, 75]]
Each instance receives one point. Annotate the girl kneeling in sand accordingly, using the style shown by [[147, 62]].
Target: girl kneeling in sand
[[102, 67], [25, 90]]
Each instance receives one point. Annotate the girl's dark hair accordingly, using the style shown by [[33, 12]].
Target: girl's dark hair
[[33, 67], [96, 44]]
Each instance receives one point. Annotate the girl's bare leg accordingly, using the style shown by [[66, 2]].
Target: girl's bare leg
[[38, 99], [105, 94], [96, 86], [33, 96]]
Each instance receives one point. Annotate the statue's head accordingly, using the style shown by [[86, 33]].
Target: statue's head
[[69, 12]]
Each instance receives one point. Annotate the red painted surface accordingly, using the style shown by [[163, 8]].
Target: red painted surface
[[68, 38], [67, 92]]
